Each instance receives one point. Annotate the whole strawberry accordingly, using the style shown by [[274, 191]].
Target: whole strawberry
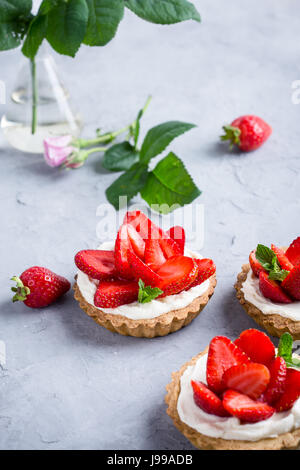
[[247, 132], [39, 287]]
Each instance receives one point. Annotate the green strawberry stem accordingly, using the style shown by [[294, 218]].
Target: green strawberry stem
[[34, 96], [232, 134], [21, 291]]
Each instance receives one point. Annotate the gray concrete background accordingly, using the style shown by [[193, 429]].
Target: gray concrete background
[[69, 383]]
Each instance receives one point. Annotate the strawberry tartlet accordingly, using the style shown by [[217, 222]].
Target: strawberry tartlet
[[269, 288], [241, 395], [146, 283]]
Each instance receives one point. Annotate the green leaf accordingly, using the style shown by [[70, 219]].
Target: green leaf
[[164, 11], [11, 10], [147, 293], [46, 6], [14, 19], [285, 350], [285, 347], [169, 185], [264, 256], [120, 157], [278, 275], [159, 137], [35, 36], [128, 184], [103, 21], [269, 261], [67, 23]]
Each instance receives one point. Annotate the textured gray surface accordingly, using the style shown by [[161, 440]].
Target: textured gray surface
[[69, 383]]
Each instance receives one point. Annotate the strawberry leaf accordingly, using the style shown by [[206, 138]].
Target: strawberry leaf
[[147, 293], [169, 185]]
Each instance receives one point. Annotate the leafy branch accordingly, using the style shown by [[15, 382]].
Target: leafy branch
[[167, 186]]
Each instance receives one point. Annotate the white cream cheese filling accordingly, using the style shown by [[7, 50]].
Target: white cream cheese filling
[[136, 310], [228, 428], [253, 295]]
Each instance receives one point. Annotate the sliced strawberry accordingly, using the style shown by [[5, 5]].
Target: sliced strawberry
[[282, 258], [177, 233], [293, 252], [206, 269], [272, 290], [112, 294], [246, 409], [143, 225], [222, 354], [207, 400], [250, 379], [291, 391], [177, 274], [277, 382], [169, 247], [137, 242], [140, 270], [98, 264], [122, 247], [291, 284], [256, 345], [154, 256], [255, 264]]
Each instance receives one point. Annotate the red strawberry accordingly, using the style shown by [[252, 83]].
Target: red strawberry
[[206, 269], [177, 274], [257, 346], [282, 258], [250, 379], [277, 382], [144, 226], [98, 264], [293, 252], [255, 264], [222, 354], [207, 400], [39, 287], [272, 289], [128, 239], [291, 284], [122, 246], [246, 409], [178, 234], [169, 247], [112, 294], [291, 391], [247, 132], [140, 270], [154, 256]]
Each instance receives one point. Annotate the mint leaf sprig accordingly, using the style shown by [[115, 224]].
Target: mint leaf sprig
[[285, 350], [269, 261], [147, 293], [165, 188]]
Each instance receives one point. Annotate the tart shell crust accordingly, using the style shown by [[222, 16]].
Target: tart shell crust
[[289, 440], [147, 328], [275, 324]]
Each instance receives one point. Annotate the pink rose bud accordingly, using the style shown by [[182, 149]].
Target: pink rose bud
[[57, 149]]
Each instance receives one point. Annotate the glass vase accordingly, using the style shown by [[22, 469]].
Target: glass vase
[[39, 106]]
